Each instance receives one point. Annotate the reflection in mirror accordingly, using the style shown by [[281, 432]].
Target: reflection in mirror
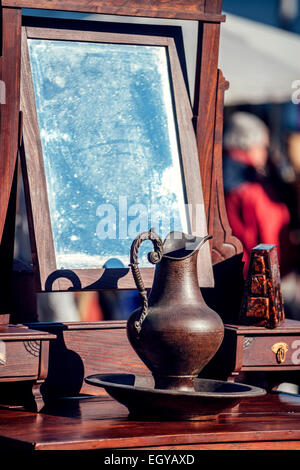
[[109, 138], [86, 306]]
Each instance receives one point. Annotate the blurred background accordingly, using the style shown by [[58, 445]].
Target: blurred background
[[259, 56]]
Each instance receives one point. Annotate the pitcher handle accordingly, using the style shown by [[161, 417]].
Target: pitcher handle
[[154, 257]]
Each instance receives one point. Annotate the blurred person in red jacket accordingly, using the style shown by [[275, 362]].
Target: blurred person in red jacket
[[255, 212]]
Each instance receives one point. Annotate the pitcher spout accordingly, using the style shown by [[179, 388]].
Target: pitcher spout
[[178, 245]]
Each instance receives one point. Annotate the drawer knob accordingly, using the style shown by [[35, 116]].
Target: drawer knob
[[280, 350]]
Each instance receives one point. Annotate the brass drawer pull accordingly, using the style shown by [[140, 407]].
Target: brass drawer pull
[[280, 350]]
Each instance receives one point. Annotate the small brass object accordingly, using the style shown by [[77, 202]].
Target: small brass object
[[280, 350]]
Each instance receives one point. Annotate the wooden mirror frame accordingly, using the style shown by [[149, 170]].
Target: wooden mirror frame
[[207, 110], [47, 275]]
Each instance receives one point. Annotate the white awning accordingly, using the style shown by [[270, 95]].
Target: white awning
[[261, 62]]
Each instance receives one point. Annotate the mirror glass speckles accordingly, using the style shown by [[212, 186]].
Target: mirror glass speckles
[[110, 147]]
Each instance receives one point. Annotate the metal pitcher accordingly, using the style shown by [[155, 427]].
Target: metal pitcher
[[174, 332]]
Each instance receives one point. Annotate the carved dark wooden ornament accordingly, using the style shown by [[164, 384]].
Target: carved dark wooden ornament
[[262, 299]]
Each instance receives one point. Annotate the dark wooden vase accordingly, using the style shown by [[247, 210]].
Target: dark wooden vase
[[174, 333]]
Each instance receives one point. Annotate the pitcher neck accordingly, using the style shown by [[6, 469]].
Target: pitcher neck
[[176, 281]]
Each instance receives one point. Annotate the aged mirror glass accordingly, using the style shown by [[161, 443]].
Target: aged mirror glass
[[110, 150]]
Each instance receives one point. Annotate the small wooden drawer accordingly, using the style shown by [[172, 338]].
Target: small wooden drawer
[[271, 351], [253, 348], [19, 358], [23, 353]]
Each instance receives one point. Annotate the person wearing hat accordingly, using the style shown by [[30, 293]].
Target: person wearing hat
[[255, 212]]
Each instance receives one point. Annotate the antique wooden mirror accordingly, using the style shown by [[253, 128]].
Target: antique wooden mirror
[[109, 151], [53, 78]]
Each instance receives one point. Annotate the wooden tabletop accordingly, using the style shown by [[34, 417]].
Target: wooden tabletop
[[269, 422]]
